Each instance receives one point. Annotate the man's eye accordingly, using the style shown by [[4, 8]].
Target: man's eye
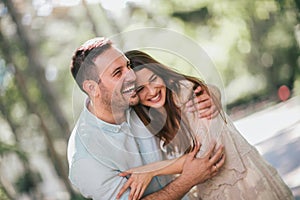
[[117, 73]]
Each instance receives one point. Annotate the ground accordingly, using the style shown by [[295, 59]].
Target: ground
[[275, 132]]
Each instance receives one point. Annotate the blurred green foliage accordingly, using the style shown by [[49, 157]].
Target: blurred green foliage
[[27, 182], [3, 196]]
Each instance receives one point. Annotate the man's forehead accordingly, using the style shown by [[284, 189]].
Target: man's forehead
[[109, 59]]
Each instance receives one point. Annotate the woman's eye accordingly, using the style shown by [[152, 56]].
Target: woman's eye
[[153, 78], [139, 89]]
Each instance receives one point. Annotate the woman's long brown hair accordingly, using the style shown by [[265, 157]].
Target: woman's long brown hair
[[174, 122]]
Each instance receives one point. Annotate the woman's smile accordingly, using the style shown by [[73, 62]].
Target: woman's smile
[[156, 98], [151, 88]]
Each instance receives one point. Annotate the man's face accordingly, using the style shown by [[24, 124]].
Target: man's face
[[117, 80]]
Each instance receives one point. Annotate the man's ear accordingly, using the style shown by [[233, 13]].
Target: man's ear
[[90, 87]]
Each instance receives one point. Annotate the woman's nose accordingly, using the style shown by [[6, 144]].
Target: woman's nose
[[151, 89]]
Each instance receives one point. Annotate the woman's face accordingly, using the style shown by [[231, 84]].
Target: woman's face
[[151, 89]]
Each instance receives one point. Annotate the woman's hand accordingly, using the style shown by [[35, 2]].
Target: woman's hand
[[137, 182], [204, 103]]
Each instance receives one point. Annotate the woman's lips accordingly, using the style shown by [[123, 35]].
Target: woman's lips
[[156, 98]]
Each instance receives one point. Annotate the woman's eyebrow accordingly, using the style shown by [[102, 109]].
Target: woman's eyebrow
[[151, 77]]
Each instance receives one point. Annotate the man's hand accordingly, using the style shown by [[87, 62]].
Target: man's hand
[[195, 171], [198, 170], [204, 103]]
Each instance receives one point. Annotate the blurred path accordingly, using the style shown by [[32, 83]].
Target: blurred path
[[276, 134]]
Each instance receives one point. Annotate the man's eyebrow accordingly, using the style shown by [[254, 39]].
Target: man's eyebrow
[[116, 69]]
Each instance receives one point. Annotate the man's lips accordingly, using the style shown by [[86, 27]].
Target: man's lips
[[128, 89]]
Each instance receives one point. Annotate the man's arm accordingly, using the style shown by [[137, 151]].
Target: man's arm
[[195, 171], [96, 180], [205, 104]]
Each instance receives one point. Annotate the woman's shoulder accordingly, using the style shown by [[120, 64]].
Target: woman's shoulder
[[185, 91]]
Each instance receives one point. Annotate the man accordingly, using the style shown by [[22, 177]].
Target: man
[[103, 144]]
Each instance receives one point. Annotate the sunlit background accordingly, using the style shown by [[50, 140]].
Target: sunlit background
[[254, 45]]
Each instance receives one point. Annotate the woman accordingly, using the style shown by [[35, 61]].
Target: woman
[[163, 94]]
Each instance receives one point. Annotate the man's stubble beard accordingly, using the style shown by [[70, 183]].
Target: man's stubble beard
[[113, 101]]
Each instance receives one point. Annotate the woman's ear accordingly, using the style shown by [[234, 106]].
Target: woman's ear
[[90, 87]]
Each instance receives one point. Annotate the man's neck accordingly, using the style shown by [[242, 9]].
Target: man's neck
[[106, 115]]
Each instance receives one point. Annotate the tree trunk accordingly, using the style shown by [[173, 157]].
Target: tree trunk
[[91, 19], [7, 188], [21, 85], [30, 50]]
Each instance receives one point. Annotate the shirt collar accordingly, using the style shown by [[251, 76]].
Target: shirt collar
[[114, 128]]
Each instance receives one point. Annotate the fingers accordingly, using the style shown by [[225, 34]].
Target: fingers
[[198, 99], [198, 90], [211, 150], [199, 96], [209, 113], [200, 107], [142, 192], [132, 193], [123, 174], [197, 148], [124, 188], [204, 105], [193, 154], [217, 156], [213, 173], [217, 166], [221, 162], [213, 115], [135, 191], [198, 140]]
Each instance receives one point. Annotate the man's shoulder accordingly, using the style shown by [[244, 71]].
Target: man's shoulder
[[76, 149], [82, 133]]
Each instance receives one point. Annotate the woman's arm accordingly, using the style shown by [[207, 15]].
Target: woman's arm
[[140, 177], [165, 167]]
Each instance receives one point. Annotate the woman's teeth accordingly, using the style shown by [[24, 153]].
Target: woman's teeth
[[155, 98]]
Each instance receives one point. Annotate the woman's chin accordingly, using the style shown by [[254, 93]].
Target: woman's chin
[[157, 105]]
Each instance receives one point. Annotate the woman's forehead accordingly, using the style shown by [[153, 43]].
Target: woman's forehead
[[143, 75]]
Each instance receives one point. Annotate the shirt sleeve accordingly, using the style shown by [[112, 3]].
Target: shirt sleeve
[[95, 180]]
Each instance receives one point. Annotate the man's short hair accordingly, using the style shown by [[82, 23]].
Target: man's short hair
[[82, 64]]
